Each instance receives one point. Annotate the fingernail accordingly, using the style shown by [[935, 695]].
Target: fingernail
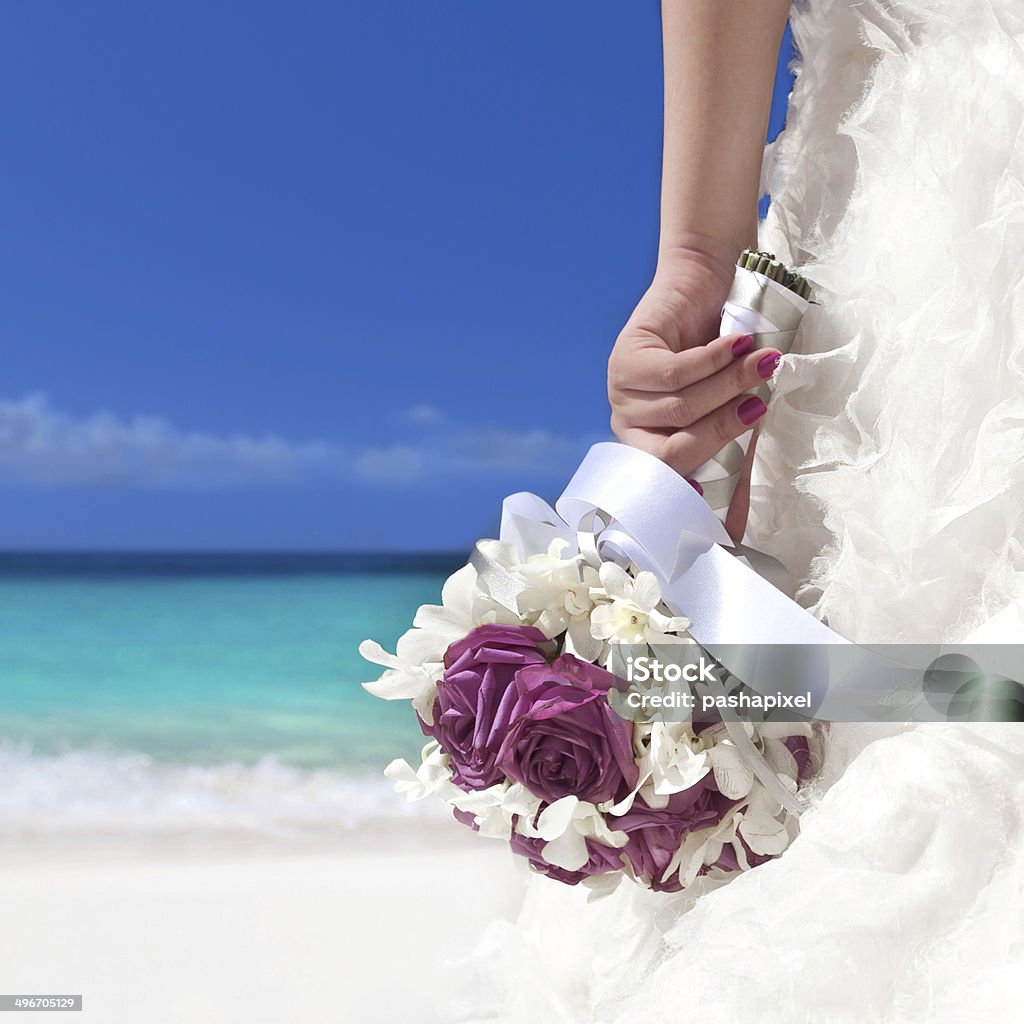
[[751, 409], [741, 345], [696, 486], [766, 367]]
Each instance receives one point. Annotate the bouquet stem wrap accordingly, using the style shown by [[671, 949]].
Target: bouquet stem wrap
[[766, 301]]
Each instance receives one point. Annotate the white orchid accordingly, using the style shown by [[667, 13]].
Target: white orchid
[[432, 778], [495, 808], [701, 848], [760, 826], [416, 666], [406, 678], [559, 593], [670, 758], [675, 758], [733, 775], [464, 606], [565, 826], [755, 825], [551, 565], [630, 613]]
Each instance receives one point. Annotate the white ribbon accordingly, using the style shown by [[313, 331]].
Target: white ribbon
[[627, 506], [661, 524]]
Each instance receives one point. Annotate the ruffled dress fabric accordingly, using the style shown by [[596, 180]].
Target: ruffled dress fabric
[[890, 480], [892, 473]]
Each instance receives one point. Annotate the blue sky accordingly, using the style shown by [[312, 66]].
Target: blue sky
[[315, 275]]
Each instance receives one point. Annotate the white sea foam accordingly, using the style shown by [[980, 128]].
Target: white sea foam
[[98, 789]]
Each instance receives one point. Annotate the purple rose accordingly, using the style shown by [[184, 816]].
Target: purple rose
[[478, 671], [562, 736], [655, 835], [602, 859]]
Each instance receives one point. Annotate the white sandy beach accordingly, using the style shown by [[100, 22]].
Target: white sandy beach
[[218, 931]]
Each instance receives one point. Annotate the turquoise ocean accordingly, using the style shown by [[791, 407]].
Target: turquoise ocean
[[158, 690]]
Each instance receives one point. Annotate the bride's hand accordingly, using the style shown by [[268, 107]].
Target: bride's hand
[[675, 393]]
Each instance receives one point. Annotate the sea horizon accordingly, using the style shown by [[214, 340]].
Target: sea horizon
[[227, 559]]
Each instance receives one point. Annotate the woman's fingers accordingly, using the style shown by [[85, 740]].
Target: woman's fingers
[[689, 448], [684, 450], [640, 368], [685, 407]]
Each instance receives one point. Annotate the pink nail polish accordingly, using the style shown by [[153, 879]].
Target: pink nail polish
[[696, 486], [767, 366], [742, 345], [750, 410]]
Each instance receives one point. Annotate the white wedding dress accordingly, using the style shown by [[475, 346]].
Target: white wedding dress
[[890, 478]]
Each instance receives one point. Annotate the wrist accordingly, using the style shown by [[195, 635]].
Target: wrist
[[684, 252]]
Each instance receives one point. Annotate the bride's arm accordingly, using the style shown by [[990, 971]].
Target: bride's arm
[[720, 58]]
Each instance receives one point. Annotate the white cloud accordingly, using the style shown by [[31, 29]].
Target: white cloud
[[42, 445], [505, 450], [424, 415]]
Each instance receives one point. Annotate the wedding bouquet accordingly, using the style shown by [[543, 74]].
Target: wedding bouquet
[[510, 679], [525, 746]]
